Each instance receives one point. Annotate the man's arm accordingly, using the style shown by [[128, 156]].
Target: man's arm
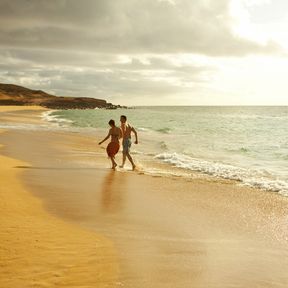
[[136, 135]]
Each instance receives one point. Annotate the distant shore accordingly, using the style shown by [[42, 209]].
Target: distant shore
[[11, 94], [70, 221]]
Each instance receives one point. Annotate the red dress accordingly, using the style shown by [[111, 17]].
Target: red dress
[[112, 149]]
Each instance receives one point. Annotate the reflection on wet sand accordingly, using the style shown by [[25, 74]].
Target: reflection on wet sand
[[111, 194]]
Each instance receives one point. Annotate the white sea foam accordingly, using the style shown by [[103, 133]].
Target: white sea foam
[[52, 123], [36, 127], [249, 177], [23, 126], [142, 129], [48, 116]]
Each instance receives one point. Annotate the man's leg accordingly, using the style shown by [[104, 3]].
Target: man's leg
[[123, 159], [131, 161]]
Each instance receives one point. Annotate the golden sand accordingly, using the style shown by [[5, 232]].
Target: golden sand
[[39, 250], [21, 108], [22, 114]]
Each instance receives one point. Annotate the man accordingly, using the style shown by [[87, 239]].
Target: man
[[126, 132]]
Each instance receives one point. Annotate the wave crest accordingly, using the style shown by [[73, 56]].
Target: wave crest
[[249, 177]]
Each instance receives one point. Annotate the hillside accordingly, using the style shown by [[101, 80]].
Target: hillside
[[11, 94]]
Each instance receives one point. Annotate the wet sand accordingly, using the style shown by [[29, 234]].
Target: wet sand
[[166, 232]]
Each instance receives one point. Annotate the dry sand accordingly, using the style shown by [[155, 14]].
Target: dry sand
[[167, 232]]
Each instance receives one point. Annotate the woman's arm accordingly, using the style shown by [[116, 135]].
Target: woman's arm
[[105, 138], [120, 133]]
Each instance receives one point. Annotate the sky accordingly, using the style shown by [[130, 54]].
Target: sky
[[148, 52]]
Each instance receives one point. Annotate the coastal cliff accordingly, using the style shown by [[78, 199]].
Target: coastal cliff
[[11, 94]]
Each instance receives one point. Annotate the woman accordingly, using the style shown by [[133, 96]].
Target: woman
[[113, 147]]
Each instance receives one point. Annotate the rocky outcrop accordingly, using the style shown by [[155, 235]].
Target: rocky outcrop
[[74, 103], [17, 95]]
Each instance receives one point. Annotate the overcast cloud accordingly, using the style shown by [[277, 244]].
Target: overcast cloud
[[124, 49]]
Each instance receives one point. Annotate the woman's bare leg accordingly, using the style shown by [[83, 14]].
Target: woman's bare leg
[[114, 164]]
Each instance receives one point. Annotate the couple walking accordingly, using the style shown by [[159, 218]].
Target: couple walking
[[116, 133]]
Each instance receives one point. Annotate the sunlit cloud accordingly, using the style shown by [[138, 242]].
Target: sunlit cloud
[[165, 51]]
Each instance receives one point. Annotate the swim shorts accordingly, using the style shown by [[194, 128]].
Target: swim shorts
[[112, 149], [126, 145]]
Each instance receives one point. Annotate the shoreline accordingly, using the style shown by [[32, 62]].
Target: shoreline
[[164, 231], [158, 154]]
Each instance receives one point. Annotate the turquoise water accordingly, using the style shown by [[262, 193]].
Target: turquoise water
[[248, 144]]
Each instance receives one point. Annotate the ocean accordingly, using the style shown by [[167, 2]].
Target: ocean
[[246, 144]]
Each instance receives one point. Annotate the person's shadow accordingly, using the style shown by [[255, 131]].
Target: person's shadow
[[112, 193]]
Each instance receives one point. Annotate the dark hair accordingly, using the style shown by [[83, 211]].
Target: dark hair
[[111, 122], [123, 116]]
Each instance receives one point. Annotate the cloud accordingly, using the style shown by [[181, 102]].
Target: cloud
[[123, 50], [112, 78], [125, 26]]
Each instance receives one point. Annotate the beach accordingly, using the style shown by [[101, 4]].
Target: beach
[[71, 221], [38, 249]]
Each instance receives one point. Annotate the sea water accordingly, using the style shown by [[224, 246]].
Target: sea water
[[247, 144]]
